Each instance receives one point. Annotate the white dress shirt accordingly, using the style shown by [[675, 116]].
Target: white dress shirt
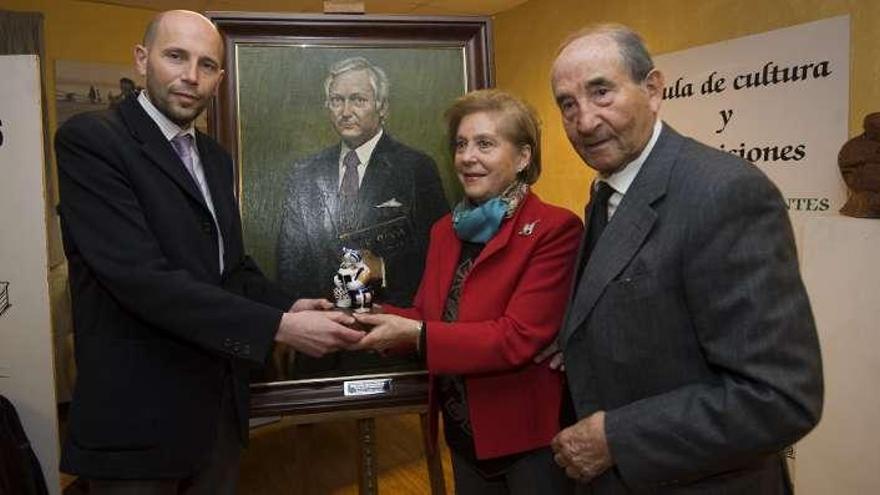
[[623, 178], [364, 152]]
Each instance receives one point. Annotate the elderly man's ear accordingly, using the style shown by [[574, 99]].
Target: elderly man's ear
[[654, 83]]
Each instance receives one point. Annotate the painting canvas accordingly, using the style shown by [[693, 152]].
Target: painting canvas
[[290, 143], [300, 98]]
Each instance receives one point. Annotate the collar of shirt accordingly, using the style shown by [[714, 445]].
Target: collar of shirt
[[364, 152], [169, 129], [623, 178]]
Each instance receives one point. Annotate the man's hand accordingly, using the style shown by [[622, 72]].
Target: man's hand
[[388, 332], [310, 304], [582, 448], [551, 351], [317, 332]]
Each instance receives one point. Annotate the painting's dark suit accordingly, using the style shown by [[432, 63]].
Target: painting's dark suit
[[399, 199], [159, 331], [691, 327], [401, 189]]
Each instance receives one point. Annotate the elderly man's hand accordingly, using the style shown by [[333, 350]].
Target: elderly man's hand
[[556, 361], [582, 448]]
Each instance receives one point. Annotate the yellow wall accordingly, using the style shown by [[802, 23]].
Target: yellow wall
[[526, 39]]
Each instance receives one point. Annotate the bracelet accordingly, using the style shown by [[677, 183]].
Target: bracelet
[[420, 328]]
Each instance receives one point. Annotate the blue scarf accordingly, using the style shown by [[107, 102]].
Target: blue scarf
[[480, 223]]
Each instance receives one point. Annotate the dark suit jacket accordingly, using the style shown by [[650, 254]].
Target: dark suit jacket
[[691, 327], [400, 198], [159, 332], [510, 309]]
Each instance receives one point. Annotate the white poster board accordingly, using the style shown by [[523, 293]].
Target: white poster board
[[778, 99], [840, 270], [27, 370]]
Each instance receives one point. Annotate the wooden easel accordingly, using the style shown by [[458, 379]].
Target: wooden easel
[[366, 456]]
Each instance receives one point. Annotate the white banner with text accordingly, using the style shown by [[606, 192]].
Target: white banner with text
[[778, 99]]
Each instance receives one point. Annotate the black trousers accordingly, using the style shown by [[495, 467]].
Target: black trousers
[[534, 474], [218, 477]]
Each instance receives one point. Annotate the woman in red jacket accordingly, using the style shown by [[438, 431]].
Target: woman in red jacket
[[492, 296]]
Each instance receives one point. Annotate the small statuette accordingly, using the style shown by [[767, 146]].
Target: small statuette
[[352, 284], [528, 229]]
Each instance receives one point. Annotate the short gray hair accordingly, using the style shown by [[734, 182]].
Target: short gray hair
[[378, 79], [632, 48]]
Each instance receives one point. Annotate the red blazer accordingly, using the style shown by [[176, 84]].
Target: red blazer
[[511, 308]]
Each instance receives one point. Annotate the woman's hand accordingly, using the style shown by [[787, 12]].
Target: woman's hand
[[388, 332]]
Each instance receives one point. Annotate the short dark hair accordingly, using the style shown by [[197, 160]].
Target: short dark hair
[[518, 123], [633, 53]]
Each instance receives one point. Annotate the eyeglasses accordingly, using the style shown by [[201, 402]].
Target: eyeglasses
[[357, 101]]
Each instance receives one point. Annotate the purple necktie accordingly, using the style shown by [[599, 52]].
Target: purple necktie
[[183, 146], [348, 192]]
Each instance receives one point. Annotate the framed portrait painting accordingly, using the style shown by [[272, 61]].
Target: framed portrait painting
[[336, 126]]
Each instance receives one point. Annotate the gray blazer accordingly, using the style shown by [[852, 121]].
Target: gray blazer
[[691, 328]]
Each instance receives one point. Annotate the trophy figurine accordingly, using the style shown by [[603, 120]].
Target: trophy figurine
[[355, 280]]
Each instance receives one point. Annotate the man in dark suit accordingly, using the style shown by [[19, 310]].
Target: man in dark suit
[[169, 313], [368, 192], [689, 344]]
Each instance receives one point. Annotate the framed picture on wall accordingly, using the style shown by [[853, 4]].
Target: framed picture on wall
[[89, 86], [308, 99]]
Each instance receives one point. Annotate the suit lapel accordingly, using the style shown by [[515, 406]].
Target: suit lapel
[[625, 233], [377, 176], [327, 178], [582, 248], [500, 240], [451, 250], [211, 163], [157, 148]]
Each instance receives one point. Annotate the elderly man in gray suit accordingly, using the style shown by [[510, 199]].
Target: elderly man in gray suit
[[689, 343]]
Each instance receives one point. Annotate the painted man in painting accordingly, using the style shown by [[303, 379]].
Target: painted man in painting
[[369, 191]]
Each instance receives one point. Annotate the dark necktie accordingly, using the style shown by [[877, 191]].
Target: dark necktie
[[598, 212], [348, 192]]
